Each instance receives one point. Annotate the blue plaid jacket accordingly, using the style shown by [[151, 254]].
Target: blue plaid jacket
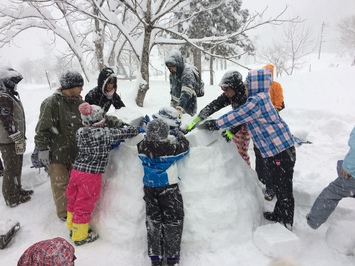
[[269, 132]]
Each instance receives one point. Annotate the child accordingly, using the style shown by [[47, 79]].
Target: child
[[164, 204], [271, 137], [94, 142]]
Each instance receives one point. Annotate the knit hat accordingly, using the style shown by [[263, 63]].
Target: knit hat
[[54, 252], [92, 115], [232, 80], [10, 77], [169, 115], [71, 79], [157, 130]]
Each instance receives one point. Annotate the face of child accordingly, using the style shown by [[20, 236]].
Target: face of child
[[228, 92], [110, 85], [171, 68]]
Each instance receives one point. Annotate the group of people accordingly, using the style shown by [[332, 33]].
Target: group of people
[[74, 139]]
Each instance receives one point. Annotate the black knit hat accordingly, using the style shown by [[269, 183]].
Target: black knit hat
[[10, 77], [71, 79], [232, 80], [157, 129]]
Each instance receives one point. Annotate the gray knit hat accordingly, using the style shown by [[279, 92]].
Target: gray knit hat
[[157, 130], [71, 79]]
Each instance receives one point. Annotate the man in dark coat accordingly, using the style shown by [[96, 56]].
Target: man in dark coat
[[12, 137], [105, 93], [182, 84]]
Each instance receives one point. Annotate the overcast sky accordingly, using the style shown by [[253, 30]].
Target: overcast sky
[[30, 44]]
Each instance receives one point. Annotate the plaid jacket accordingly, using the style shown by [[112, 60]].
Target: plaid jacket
[[269, 132], [94, 146]]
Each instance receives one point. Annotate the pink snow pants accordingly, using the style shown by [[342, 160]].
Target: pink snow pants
[[242, 140], [82, 192]]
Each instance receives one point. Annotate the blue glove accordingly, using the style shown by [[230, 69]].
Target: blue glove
[[141, 130], [116, 145], [175, 132]]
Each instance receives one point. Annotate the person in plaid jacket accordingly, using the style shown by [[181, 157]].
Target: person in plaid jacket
[[271, 137], [94, 142]]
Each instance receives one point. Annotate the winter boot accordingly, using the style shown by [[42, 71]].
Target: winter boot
[[22, 199], [26, 192], [81, 236], [69, 221], [269, 194], [271, 216]]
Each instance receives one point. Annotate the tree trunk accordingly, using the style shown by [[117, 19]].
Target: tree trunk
[[211, 71], [196, 54]]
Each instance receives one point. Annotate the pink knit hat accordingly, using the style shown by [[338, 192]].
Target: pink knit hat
[[92, 115]]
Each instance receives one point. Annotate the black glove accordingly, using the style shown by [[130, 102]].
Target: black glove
[[234, 130], [175, 132], [209, 125]]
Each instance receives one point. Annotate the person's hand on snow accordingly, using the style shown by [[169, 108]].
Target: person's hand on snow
[[193, 123], [209, 125]]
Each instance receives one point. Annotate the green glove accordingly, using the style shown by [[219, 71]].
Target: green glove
[[193, 123], [228, 135]]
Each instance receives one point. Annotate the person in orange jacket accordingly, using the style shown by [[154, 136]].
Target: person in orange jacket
[[276, 92]]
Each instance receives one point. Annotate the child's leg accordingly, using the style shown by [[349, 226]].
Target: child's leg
[[328, 199], [242, 140], [154, 221], [171, 203]]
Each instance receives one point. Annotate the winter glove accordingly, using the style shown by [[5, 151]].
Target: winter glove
[[194, 123], [141, 130], [20, 142], [227, 135], [116, 144], [209, 125], [180, 111], [144, 122], [43, 156]]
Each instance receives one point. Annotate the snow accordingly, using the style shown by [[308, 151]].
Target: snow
[[222, 196]]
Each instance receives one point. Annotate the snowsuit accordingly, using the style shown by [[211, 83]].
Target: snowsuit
[[99, 97], [242, 137], [182, 84], [94, 145], [340, 188], [164, 203], [12, 120], [276, 92], [58, 122], [271, 137], [54, 252]]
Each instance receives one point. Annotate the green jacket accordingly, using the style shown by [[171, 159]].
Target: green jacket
[[58, 122]]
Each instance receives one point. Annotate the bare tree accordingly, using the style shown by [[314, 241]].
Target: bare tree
[[346, 27], [289, 53]]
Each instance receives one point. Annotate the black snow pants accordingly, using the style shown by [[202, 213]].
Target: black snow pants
[[164, 220]]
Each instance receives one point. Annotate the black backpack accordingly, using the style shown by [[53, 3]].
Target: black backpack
[[200, 85]]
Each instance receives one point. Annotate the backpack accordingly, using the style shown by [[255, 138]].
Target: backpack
[[200, 85]]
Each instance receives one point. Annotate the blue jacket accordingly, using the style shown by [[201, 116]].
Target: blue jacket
[[349, 160]]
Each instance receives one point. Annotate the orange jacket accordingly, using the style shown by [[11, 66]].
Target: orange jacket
[[276, 92]]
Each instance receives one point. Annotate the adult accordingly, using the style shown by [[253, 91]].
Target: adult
[[272, 138], [343, 186], [58, 122], [12, 137], [105, 93], [182, 82], [233, 95]]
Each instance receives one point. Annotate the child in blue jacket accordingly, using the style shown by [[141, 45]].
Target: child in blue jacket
[[164, 204]]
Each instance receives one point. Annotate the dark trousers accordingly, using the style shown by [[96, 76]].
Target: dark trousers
[[281, 171], [164, 220], [11, 183], [261, 170]]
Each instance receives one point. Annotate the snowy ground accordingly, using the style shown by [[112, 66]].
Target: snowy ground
[[222, 197]]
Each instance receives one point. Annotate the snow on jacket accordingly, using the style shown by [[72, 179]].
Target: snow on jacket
[[97, 95], [12, 116], [276, 91], [95, 144], [51, 252], [182, 84], [58, 122], [159, 160], [349, 160], [269, 132]]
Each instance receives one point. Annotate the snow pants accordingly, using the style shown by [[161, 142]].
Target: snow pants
[[11, 183], [59, 175], [164, 220], [280, 171], [264, 175], [328, 199], [83, 191], [242, 140]]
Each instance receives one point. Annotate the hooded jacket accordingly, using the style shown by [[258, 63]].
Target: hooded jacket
[[98, 95], [276, 92], [182, 84], [58, 122], [12, 116], [269, 132], [349, 160]]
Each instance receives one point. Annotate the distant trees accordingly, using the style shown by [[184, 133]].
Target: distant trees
[[346, 27], [289, 53], [117, 33]]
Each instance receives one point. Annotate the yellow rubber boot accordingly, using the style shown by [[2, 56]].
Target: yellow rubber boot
[[69, 220], [80, 231]]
